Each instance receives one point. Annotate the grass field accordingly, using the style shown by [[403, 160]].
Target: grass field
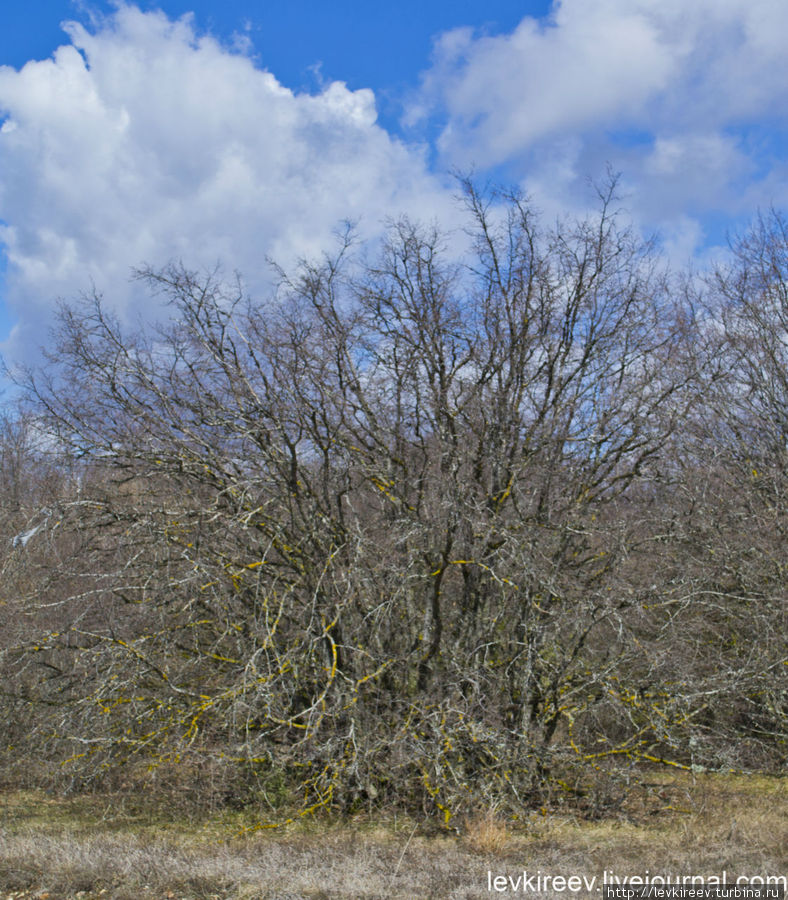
[[119, 848]]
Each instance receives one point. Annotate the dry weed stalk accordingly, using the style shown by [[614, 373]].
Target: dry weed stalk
[[486, 832]]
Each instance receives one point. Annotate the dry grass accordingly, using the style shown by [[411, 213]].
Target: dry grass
[[93, 849], [486, 832]]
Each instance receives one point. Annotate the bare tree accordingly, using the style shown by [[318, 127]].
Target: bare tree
[[399, 533]]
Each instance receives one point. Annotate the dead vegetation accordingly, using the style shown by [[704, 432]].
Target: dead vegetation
[[446, 533], [436, 563], [91, 847]]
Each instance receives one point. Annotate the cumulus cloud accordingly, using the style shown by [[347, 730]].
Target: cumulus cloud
[[144, 141], [668, 91], [598, 63]]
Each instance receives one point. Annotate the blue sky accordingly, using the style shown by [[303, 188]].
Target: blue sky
[[381, 46], [227, 132]]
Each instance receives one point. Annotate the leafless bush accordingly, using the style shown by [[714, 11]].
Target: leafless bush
[[425, 531]]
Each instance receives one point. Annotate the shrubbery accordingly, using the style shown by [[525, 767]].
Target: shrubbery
[[443, 530]]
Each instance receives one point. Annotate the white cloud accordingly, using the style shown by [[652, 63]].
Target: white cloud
[[601, 63], [143, 141], [502, 94], [666, 90]]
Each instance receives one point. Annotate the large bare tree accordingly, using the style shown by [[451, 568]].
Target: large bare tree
[[417, 529]]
